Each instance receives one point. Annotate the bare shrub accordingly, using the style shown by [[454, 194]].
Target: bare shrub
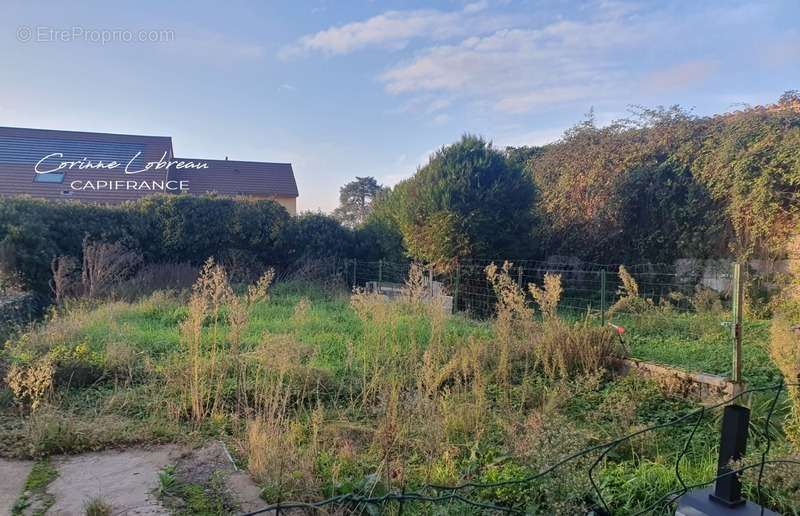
[[65, 282], [157, 277], [105, 265], [548, 297]]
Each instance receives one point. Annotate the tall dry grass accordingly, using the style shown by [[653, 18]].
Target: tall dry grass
[[558, 348], [211, 357], [629, 300], [513, 324], [785, 347]]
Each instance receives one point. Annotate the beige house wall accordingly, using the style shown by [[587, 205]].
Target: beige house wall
[[290, 203]]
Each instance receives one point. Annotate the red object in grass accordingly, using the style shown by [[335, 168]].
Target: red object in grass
[[619, 329]]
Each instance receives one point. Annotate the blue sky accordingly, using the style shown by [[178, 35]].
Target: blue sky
[[355, 87]]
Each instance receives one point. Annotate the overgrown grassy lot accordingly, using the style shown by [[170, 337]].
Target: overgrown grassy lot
[[320, 393]]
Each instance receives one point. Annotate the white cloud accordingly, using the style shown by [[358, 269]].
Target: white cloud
[[395, 29], [476, 7], [517, 63], [519, 70]]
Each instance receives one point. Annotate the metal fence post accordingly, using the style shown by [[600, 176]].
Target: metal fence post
[[732, 447], [519, 277], [603, 297], [736, 327], [355, 283], [380, 273]]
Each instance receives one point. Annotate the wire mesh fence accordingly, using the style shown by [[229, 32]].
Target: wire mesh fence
[[663, 292], [477, 495]]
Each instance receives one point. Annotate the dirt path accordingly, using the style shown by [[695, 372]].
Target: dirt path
[[13, 473], [126, 480]]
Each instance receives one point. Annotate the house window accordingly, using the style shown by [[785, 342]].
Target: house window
[[50, 177]]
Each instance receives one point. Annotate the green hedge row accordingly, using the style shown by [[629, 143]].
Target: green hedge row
[[171, 229]]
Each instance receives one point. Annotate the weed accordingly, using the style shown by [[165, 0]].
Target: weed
[[31, 384], [166, 480], [98, 507], [301, 310], [513, 320], [629, 301], [548, 297], [276, 461], [106, 265]]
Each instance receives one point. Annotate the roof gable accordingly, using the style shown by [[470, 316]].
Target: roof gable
[[229, 177]]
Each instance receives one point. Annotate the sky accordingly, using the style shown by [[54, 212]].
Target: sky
[[356, 87]]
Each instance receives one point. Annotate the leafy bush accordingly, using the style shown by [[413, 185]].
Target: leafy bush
[[467, 201]]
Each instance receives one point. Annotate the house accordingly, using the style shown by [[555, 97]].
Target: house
[[112, 168]]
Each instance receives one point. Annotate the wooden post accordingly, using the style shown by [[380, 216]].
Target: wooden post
[[456, 287], [736, 327], [603, 297]]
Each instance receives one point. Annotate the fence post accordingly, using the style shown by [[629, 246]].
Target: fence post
[[736, 327], [732, 447], [380, 274], [456, 287], [519, 276], [355, 262], [603, 296]]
